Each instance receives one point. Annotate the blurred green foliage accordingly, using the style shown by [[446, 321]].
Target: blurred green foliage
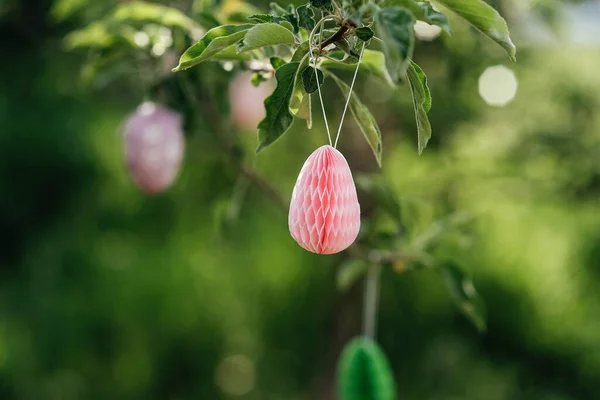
[[109, 294]]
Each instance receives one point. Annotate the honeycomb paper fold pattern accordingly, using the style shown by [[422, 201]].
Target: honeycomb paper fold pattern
[[324, 213]]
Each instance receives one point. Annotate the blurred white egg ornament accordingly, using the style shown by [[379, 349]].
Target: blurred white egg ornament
[[324, 213], [154, 146]]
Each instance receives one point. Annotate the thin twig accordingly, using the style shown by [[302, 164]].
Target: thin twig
[[371, 301], [263, 185], [335, 37]]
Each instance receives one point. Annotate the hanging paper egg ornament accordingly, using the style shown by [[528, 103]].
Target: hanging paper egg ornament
[[324, 213], [154, 146]]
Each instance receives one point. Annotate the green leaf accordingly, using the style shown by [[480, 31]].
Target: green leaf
[[312, 80], [277, 10], [364, 33], [257, 79], [301, 51], [379, 188], [463, 293], [141, 11], [300, 103], [395, 27], [214, 41], [486, 19], [421, 101], [306, 17], [95, 34], [364, 372], [373, 61], [436, 231], [288, 21], [344, 46], [280, 14], [267, 34], [263, 18], [278, 118], [363, 117], [208, 20], [423, 10], [322, 4], [277, 62], [349, 273], [293, 20], [231, 54], [287, 25]]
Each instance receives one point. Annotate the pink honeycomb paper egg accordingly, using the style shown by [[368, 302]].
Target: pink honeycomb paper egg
[[154, 147], [324, 212]]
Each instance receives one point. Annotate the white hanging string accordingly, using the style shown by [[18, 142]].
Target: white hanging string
[[347, 100], [337, 137], [320, 95]]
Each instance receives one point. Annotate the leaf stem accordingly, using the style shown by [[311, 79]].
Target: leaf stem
[[371, 301], [318, 25]]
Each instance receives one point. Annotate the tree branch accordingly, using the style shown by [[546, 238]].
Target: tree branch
[[212, 115], [263, 185]]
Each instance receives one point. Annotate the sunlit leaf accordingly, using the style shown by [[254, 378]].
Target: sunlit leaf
[[257, 79], [95, 34], [423, 10], [277, 10], [372, 61], [434, 232], [63, 9], [267, 34], [395, 27], [417, 80], [278, 118], [214, 41], [364, 372], [486, 19], [363, 117], [463, 293], [277, 62], [263, 18], [300, 103], [231, 54], [141, 11]]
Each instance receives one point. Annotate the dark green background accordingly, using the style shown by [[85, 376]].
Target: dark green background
[[106, 293]]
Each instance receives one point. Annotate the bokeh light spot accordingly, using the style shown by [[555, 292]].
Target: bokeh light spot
[[236, 375], [158, 49], [498, 85], [141, 39]]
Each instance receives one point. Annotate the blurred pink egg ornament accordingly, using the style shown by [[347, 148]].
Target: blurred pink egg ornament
[[154, 146], [324, 213], [247, 101]]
